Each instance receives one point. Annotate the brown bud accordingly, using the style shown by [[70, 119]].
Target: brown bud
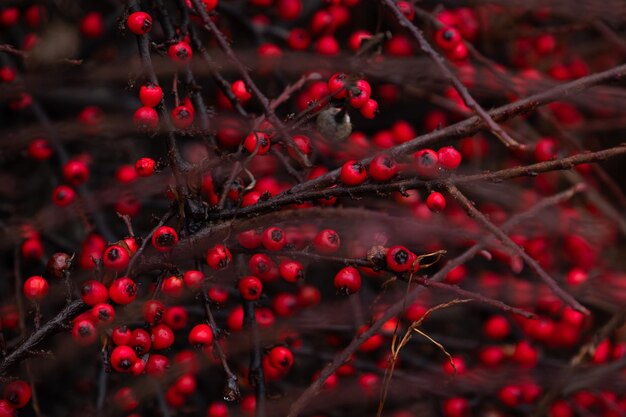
[[377, 256], [58, 264]]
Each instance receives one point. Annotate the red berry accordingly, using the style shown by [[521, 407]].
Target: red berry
[[337, 85], [140, 341], [383, 168], [116, 258], [262, 266], [75, 172], [250, 288], [496, 327], [348, 280], [157, 365], [123, 290], [146, 118], [63, 195], [218, 257], [327, 241], [164, 239], [327, 45], [400, 259], [180, 52], [240, 91], [369, 109], [139, 23], [84, 332], [182, 117], [93, 292], [291, 271], [18, 393], [103, 313], [150, 95], [201, 335], [173, 286], [456, 407], [35, 288], [449, 158], [280, 358], [289, 9], [123, 358], [257, 143], [145, 167], [92, 25], [121, 335], [274, 238], [193, 279], [298, 39], [426, 163], [40, 149], [447, 38], [436, 202], [7, 409], [154, 311], [162, 337], [407, 9], [218, 294], [32, 249], [353, 173], [360, 94], [545, 149]]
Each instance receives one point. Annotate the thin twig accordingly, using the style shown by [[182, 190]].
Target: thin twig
[[474, 213]]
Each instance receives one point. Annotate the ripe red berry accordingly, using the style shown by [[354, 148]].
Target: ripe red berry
[[75, 172], [18, 393], [369, 109], [448, 157], [400, 259], [383, 168], [180, 52], [123, 290], [193, 279], [218, 257], [164, 239], [40, 149], [154, 311], [353, 173], [496, 327], [103, 314], [447, 38], [298, 39], [426, 162], [121, 335], [326, 45], [162, 337], [84, 332], [289, 9], [123, 358], [291, 271], [257, 142], [262, 266], [280, 358], [140, 341], [173, 286], [35, 288], [139, 23], [327, 241], [337, 85], [250, 288], [146, 118], [274, 238], [94, 292], [201, 335], [456, 407], [145, 167], [240, 91], [150, 95], [92, 25], [545, 149], [348, 280], [63, 195], [436, 202], [7, 409], [116, 258], [157, 365], [182, 117], [360, 94]]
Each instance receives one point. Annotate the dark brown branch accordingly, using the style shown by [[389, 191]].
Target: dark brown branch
[[50, 328]]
